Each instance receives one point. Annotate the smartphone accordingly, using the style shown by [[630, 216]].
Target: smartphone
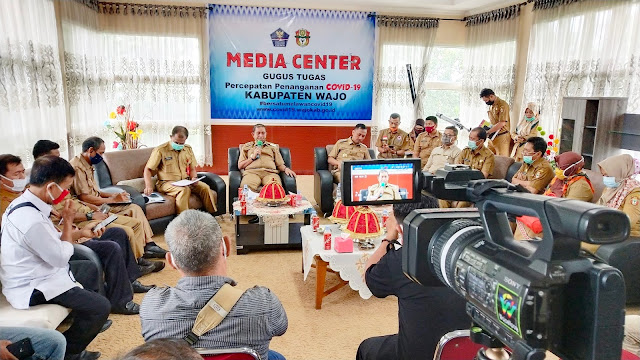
[[21, 349]]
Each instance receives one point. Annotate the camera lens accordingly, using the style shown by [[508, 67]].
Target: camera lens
[[448, 243]]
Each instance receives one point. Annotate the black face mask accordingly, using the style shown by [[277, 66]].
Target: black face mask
[[489, 102]]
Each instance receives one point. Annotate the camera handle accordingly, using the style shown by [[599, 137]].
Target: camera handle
[[495, 348]]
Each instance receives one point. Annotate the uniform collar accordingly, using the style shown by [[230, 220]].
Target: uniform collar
[[351, 141], [84, 164], [201, 282], [42, 206]]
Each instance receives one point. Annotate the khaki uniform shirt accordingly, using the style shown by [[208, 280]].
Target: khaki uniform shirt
[[479, 159], [390, 192], [579, 190], [346, 149], [425, 143], [498, 112], [171, 165], [440, 157], [539, 174], [399, 141], [269, 160], [631, 207], [84, 183], [6, 197]]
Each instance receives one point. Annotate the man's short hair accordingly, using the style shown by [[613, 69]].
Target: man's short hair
[[395, 116], [432, 118], [163, 349], [539, 145], [44, 147], [360, 126], [92, 142], [452, 128], [383, 171], [486, 92], [180, 129], [194, 241], [6, 160], [50, 168], [400, 211], [257, 126], [481, 132]]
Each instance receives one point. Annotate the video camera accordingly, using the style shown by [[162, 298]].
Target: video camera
[[530, 296]]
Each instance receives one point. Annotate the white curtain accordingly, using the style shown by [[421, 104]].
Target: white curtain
[[31, 92], [401, 41], [153, 58], [588, 48], [489, 61]]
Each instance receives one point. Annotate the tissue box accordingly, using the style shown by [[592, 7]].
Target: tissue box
[[343, 244]]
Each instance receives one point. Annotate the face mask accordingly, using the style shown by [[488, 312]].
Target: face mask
[[418, 131], [489, 102], [177, 147], [18, 184], [61, 197], [446, 139], [430, 129], [530, 119], [472, 145], [528, 159], [559, 173], [95, 159], [610, 181]]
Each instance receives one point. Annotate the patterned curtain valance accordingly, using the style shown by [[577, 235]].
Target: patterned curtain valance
[[93, 4], [152, 10], [407, 22], [550, 4], [507, 13]]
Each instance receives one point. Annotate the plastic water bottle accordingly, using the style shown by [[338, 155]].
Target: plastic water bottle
[[245, 191], [338, 191], [385, 217], [299, 198]]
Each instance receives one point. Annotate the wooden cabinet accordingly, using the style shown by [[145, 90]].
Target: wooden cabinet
[[591, 126]]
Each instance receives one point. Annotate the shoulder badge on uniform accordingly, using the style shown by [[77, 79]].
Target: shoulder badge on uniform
[[399, 138], [538, 174], [634, 201]]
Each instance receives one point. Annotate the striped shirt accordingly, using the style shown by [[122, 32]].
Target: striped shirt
[[170, 312]]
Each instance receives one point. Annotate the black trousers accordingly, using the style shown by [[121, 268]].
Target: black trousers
[[378, 348], [89, 310], [119, 236]]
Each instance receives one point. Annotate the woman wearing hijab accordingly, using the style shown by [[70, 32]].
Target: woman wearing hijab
[[622, 191], [526, 128], [569, 182], [418, 129]]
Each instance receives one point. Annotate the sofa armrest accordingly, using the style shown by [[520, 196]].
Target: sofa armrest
[[87, 268], [235, 178], [323, 190], [218, 185], [288, 183], [320, 157], [136, 196]]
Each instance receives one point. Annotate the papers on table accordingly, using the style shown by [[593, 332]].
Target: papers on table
[[186, 182], [252, 195], [153, 198]]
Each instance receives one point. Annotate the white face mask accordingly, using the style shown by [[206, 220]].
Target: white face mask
[[18, 184]]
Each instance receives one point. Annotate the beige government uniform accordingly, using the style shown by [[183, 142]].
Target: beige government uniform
[[6, 197], [539, 174], [390, 192], [498, 112], [84, 184], [400, 140], [425, 143], [346, 149], [263, 170], [441, 156], [171, 165], [479, 159], [133, 227]]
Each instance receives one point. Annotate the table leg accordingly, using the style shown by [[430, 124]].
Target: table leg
[[321, 277]]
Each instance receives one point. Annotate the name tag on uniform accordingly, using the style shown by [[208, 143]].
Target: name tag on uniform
[[168, 158]]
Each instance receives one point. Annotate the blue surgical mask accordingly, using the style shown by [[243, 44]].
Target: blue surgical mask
[[530, 119], [528, 159], [177, 147], [610, 181], [472, 145]]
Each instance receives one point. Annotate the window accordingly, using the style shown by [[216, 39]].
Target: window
[[443, 84]]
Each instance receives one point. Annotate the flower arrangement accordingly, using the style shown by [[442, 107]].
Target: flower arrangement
[[552, 145], [124, 127]]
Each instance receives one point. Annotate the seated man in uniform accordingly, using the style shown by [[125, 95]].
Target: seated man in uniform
[[260, 161], [351, 148], [393, 142], [427, 141], [535, 172], [86, 189], [383, 190], [500, 123], [175, 161], [477, 157], [12, 180], [445, 153]]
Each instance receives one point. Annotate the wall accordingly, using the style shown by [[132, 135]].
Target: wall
[[300, 139]]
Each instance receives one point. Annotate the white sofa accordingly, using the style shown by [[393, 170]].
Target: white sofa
[[47, 316]]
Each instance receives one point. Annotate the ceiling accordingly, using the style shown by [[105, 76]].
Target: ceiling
[[440, 8]]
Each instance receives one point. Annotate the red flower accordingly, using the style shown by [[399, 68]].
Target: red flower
[[548, 152], [550, 143], [551, 136], [115, 144], [121, 110], [132, 125]]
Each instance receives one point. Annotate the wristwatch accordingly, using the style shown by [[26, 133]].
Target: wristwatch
[[89, 215]]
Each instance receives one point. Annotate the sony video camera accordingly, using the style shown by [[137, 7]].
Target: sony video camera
[[532, 296]]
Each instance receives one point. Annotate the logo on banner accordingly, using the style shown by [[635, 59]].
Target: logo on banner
[[279, 38], [302, 37]]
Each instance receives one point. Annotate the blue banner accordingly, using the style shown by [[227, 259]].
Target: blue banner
[[291, 64]]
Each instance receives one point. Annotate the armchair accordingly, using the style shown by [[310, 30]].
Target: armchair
[[235, 175], [323, 183]]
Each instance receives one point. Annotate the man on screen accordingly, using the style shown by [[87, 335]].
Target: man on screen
[[383, 190]]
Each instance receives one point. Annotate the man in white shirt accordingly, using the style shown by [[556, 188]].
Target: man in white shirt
[[34, 256], [445, 153]]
